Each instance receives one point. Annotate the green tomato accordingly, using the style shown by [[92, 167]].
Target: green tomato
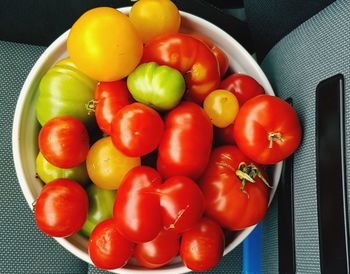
[[160, 87], [48, 172], [101, 203], [64, 90]]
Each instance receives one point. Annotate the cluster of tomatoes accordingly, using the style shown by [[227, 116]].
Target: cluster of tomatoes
[[173, 145]]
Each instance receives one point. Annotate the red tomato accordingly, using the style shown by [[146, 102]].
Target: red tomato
[[61, 208], [110, 97], [186, 144], [182, 203], [137, 130], [231, 200], [188, 55], [64, 142], [107, 248], [224, 136], [267, 129], [220, 55], [159, 251], [137, 211], [243, 86], [202, 246]]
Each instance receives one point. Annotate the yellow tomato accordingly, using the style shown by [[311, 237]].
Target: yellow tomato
[[107, 166], [155, 17], [104, 44], [222, 107]]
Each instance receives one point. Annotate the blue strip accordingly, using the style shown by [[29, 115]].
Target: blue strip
[[252, 252]]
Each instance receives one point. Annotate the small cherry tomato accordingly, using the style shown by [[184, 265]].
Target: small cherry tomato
[[137, 130], [159, 251], [243, 86], [107, 248], [64, 142], [202, 246], [61, 208], [154, 17], [110, 97], [222, 107], [106, 165]]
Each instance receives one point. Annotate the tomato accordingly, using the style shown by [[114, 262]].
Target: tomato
[[159, 87], [137, 206], [64, 142], [224, 136], [154, 17], [48, 172], [104, 44], [186, 143], [189, 56], [267, 129], [110, 97], [137, 130], [106, 165], [61, 208], [64, 90], [100, 207], [182, 203], [220, 55], [242, 86], [107, 248], [235, 189], [202, 246], [158, 252], [221, 107]]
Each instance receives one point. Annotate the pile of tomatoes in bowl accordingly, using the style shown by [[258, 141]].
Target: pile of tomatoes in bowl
[[150, 146]]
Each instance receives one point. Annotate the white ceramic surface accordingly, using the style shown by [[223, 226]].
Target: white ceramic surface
[[25, 128]]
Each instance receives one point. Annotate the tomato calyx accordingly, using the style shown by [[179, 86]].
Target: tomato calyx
[[274, 137], [91, 106], [248, 173], [179, 214]]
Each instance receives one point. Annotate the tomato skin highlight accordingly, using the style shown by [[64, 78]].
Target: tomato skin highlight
[[186, 143], [64, 142], [202, 246], [107, 248], [267, 129], [61, 208]]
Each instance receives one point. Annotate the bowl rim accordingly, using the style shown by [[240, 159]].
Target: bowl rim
[[16, 134]]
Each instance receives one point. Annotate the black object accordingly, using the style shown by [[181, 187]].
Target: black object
[[286, 234], [331, 184]]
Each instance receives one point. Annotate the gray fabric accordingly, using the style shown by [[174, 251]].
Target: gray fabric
[[316, 50]]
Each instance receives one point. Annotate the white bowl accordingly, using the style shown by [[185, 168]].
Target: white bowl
[[26, 128]]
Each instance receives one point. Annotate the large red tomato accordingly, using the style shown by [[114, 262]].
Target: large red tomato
[[110, 97], [64, 142], [107, 248], [61, 208], [191, 57], [202, 246], [186, 144], [235, 192], [267, 129]]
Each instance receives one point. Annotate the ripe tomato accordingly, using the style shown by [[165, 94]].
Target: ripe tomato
[[191, 57], [61, 208], [107, 248], [154, 17], [104, 44], [137, 130], [64, 142], [202, 246], [231, 199], [222, 107], [243, 86], [159, 251], [106, 165], [110, 97], [267, 129], [186, 144]]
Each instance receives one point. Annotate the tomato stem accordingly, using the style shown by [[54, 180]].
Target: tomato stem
[[91, 106], [273, 137]]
